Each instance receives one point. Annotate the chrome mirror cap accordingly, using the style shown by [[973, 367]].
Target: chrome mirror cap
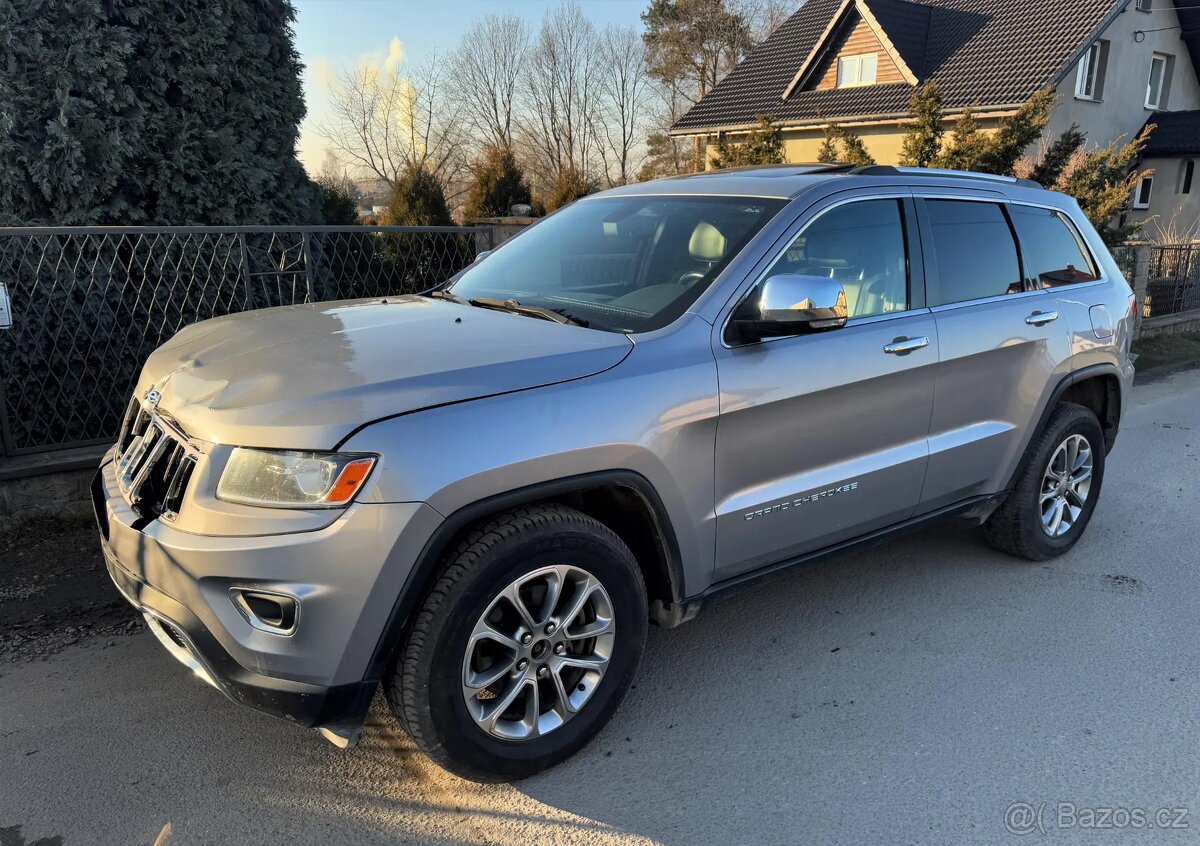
[[793, 304]]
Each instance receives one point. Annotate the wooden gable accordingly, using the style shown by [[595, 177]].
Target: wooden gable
[[855, 38]]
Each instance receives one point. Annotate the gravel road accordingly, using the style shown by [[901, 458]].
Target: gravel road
[[907, 694]]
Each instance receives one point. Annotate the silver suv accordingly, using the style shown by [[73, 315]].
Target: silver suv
[[480, 497]]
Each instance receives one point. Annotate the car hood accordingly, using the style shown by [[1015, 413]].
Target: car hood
[[304, 377]]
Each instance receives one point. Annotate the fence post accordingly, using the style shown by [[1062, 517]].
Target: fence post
[[311, 295], [485, 239], [1140, 283], [246, 269]]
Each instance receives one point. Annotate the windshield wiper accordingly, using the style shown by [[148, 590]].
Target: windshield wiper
[[529, 310], [445, 295]]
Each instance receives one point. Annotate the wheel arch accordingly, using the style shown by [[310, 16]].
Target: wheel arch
[[623, 500], [1098, 388]]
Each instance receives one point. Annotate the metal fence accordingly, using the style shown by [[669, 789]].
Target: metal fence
[[1172, 280], [89, 304]]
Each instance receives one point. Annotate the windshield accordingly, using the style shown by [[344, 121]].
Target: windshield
[[621, 264]]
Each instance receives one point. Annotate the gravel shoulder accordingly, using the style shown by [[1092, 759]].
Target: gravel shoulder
[[55, 590]]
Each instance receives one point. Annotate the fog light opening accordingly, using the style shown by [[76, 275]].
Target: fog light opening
[[274, 613]]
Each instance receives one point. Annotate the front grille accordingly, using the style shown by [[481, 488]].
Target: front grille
[[154, 463]]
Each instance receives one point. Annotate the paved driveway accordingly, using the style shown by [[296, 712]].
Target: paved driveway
[[907, 694]]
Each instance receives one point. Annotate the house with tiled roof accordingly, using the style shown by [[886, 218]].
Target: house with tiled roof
[[1115, 65]]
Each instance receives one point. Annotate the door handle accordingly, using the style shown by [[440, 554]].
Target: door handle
[[903, 346], [1040, 318]]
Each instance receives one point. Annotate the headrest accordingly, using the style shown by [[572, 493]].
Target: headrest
[[707, 243], [832, 248]]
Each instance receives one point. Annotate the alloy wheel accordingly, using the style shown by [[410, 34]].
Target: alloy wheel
[[537, 654], [1065, 485]]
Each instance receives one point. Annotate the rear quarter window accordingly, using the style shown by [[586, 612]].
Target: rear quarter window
[[1053, 250]]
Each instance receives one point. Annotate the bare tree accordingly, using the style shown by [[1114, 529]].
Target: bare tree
[[625, 89], [383, 123], [561, 87], [486, 76]]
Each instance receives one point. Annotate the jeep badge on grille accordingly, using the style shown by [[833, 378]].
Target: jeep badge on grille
[[153, 398]]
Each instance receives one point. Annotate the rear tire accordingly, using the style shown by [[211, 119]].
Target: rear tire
[[470, 629], [1054, 496]]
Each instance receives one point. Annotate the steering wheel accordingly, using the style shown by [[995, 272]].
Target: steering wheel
[[691, 278]]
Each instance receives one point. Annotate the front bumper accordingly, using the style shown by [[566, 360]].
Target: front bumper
[[346, 577]]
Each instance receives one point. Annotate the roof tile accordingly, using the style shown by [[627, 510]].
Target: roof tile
[[981, 52]]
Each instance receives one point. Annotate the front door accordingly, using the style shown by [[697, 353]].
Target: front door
[[822, 437]]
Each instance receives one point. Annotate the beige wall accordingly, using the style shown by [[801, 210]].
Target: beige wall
[[883, 142]]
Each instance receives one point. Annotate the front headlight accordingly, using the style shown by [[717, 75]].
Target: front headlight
[[291, 479]]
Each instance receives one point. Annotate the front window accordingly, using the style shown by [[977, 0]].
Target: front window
[[620, 264], [1156, 86], [863, 246], [857, 70]]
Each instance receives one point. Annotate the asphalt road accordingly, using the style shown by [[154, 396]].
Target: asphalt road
[[908, 694]]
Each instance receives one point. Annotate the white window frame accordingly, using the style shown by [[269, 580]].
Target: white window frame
[[854, 66], [1154, 99], [1146, 182], [1087, 71]]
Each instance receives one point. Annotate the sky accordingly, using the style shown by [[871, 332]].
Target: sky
[[332, 34]]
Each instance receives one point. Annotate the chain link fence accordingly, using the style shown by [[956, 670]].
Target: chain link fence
[[89, 304]]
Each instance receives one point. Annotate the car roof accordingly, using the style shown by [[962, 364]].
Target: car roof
[[787, 181]]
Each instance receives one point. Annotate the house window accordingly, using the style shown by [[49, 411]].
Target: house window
[[1141, 194], [1187, 169], [857, 70], [1089, 75], [1156, 86]]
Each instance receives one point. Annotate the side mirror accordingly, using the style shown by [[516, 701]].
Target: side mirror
[[791, 304]]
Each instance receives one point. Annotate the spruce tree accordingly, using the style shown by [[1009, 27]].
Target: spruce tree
[[499, 184], [417, 200], [151, 111], [763, 145], [923, 137], [1057, 156]]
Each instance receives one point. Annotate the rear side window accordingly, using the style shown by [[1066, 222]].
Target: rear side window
[[975, 252], [1054, 254]]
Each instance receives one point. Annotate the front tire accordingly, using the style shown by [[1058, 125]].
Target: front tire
[[1054, 496], [524, 647]]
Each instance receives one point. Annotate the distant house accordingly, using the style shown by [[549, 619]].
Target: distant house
[[1116, 66]]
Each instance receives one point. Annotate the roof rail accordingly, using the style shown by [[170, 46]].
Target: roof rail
[[889, 170]]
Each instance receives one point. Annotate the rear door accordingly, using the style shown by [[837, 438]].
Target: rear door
[[1001, 343], [822, 437]]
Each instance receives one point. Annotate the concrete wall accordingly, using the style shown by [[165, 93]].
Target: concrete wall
[[1172, 216]]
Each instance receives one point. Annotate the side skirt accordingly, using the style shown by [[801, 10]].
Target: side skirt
[[977, 508]]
